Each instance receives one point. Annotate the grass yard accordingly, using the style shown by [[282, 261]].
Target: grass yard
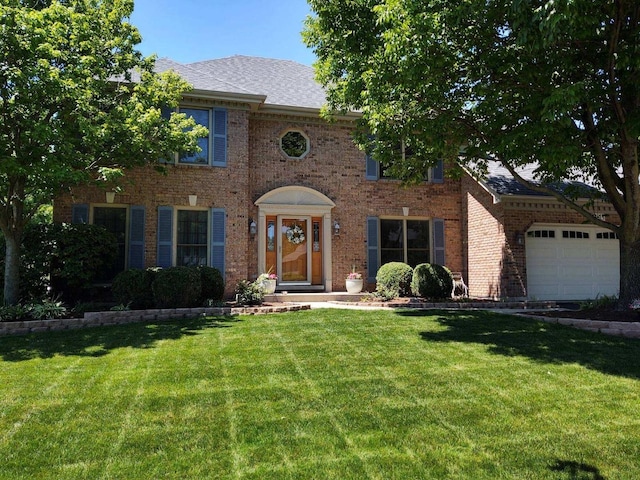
[[322, 394]]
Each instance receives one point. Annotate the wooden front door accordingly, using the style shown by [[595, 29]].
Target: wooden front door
[[294, 249]]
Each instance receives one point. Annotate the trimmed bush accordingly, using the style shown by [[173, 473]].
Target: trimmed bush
[[212, 284], [177, 287], [431, 281], [249, 293], [82, 252], [133, 287], [394, 278], [64, 257]]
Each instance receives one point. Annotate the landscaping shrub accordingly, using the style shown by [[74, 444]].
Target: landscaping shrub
[[44, 310], [394, 278], [249, 293], [81, 252], [64, 257], [133, 287], [47, 309], [14, 313], [431, 281], [212, 284], [177, 287]]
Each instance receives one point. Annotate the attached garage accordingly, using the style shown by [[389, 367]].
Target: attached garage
[[571, 262]]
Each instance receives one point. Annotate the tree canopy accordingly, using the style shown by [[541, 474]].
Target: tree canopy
[[553, 84], [78, 104]]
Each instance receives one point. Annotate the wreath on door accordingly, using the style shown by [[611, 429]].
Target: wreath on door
[[295, 235]]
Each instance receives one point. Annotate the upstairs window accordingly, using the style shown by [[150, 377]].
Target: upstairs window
[[294, 144], [214, 146], [377, 171]]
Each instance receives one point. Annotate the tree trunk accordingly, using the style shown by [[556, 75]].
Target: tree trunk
[[629, 273], [12, 270]]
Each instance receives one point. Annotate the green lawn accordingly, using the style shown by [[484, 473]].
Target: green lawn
[[340, 394]]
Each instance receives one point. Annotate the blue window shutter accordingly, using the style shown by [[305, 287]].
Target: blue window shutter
[[136, 236], [219, 158], [80, 213], [372, 168], [437, 172], [372, 249], [218, 222], [438, 241], [164, 257]]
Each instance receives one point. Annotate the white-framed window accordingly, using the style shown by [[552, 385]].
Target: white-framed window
[[192, 237], [404, 240], [295, 144], [188, 236], [409, 240], [574, 234], [376, 171], [541, 234], [214, 146], [607, 236]]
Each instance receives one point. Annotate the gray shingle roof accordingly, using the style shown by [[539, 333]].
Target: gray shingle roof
[[499, 180], [283, 82]]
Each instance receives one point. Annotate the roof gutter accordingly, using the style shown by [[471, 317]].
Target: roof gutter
[[254, 101]]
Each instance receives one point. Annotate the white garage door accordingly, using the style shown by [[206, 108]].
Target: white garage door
[[571, 262]]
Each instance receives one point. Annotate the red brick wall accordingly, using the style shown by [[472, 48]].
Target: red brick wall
[[336, 168], [256, 165], [496, 263], [215, 187], [485, 241]]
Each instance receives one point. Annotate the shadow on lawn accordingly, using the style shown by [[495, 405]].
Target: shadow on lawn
[[575, 470], [99, 341], [543, 342]]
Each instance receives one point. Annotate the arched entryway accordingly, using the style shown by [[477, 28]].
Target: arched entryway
[[294, 237]]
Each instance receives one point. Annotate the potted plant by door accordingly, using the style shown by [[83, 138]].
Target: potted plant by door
[[268, 281], [354, 282]]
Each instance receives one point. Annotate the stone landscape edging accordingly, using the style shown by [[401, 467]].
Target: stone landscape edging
[[108, 318], [97, 319], [620, 329]]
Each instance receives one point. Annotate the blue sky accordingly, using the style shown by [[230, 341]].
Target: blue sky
[[192, 30]]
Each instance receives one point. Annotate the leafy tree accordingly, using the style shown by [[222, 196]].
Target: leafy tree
[[554, 84], [78, 104]]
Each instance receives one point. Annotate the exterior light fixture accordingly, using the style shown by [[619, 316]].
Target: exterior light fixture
[[253, 228], [336, 228]]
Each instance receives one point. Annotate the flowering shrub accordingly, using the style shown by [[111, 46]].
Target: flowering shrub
[[266, 276], [635, 305]]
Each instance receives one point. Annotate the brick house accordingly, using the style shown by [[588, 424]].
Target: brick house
[[278, 188]]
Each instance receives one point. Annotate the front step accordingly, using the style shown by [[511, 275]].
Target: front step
[[296, 297], [300, 288]]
